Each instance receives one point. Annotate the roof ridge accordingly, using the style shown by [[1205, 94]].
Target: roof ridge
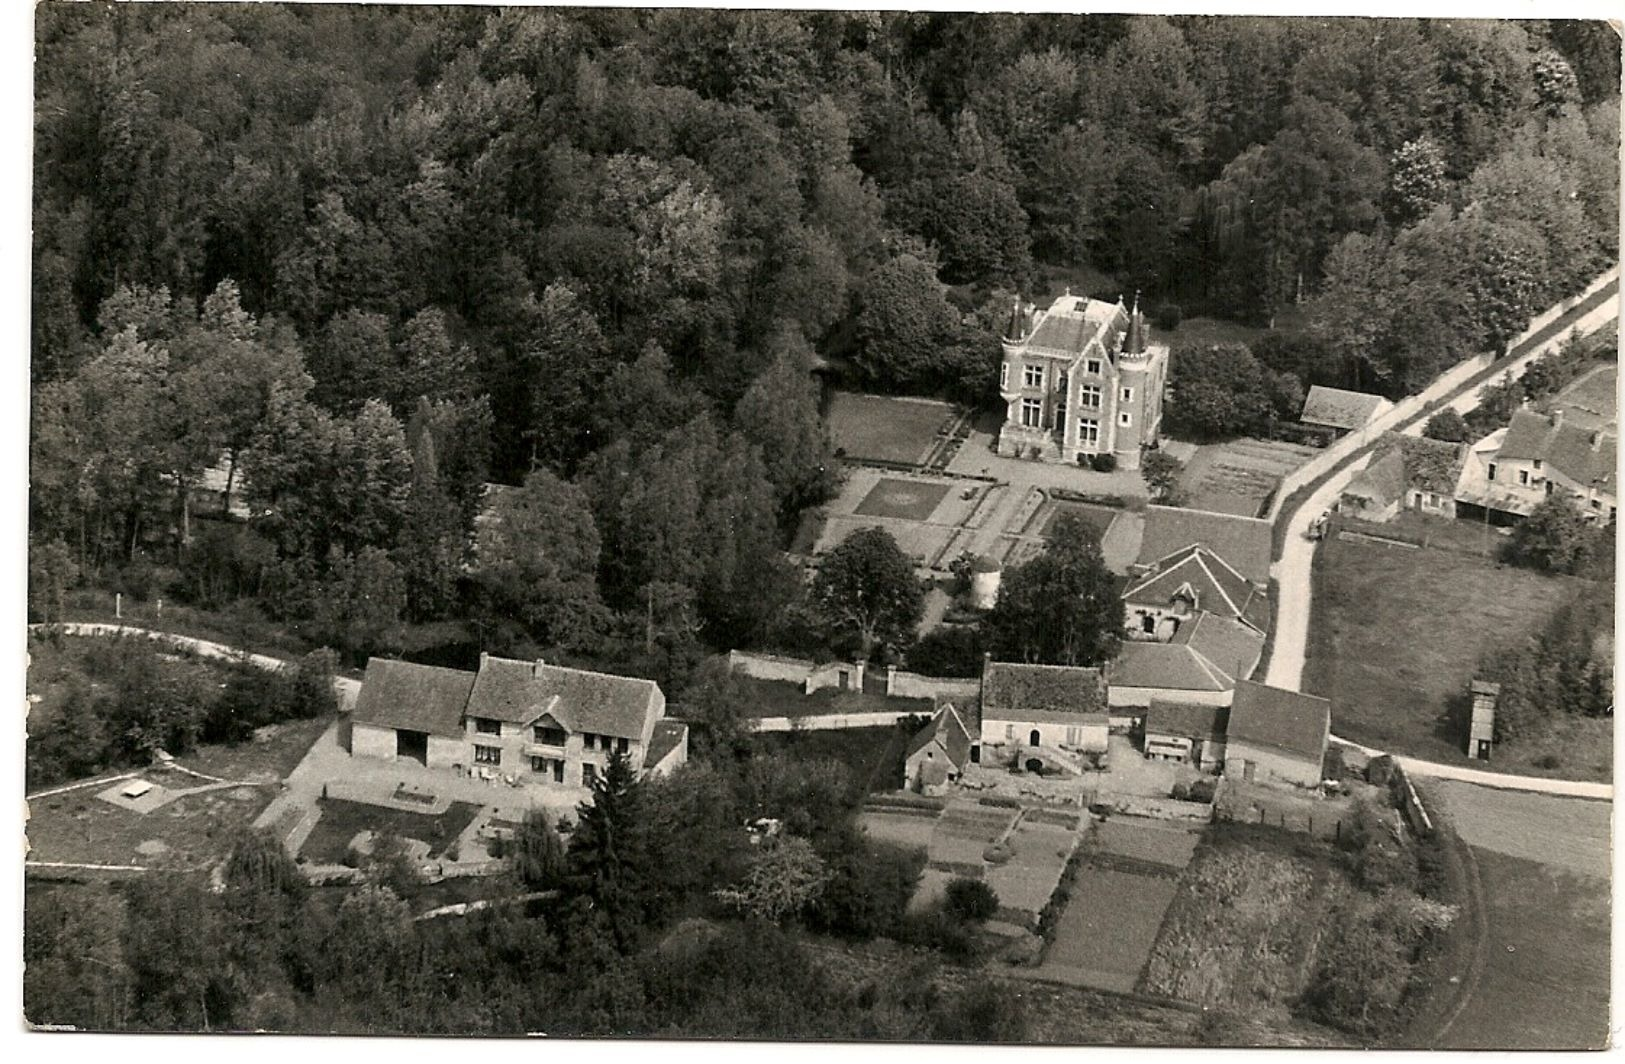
[[1218, 584], [1043, 665]]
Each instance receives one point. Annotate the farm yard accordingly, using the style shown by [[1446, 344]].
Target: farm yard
[[1397, 634], [1237, 476], [1543, 864]]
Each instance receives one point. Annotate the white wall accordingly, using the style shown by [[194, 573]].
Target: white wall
[[1120, 697], [1000, 731], [367, 740]]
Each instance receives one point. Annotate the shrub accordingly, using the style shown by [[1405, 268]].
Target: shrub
[[1104, 463], [1180, 793], [970, 899], [1203, 790], [1167, 316], [1447, 425]]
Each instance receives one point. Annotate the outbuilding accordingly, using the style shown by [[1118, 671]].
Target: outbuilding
[[1276, 735]]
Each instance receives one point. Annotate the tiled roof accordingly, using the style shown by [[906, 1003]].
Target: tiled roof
[[1591, 401], [1216, 586], [1431, 465], [1243, 542], [425, 698], [1585, 457], [1233, 646], [947, 730], [521, 691], [1061, 693], [1340, 409], [668, 734], [1295, 723], [1186, 720], [1167, 667], [1382, 481], [1062, 332]]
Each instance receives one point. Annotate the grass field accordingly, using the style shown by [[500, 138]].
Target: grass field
[[1243, 929], [904, 499], [1153, 842], [341, 821], [885, 428], [1110, 926], [1098, 518], [1397, 634], [190, 832]]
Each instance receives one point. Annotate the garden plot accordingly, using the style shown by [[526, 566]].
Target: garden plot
[[1162, 844], [1038, 855], [887, 428], [1236, 477], [963, 834], [909, 831], [342, 821], [1108, 929]]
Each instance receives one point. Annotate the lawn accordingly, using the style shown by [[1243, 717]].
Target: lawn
[[885, 428], [342, 820], [190, 832], [906, 500], [1397, 634], [271, 754], [1244, 926], [1098, 518]]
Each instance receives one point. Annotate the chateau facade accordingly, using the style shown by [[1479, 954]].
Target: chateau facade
[[1080, 379]]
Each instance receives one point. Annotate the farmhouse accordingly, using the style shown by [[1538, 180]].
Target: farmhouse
[[522, 721], [1275, 735], [1186, 731], [1080, 379], [938, 755], [1515, 469], [1188, 584], [1043, 706], [1410, 473], [1341, 411]]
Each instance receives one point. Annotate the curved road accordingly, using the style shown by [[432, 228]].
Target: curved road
[[1293, 570]]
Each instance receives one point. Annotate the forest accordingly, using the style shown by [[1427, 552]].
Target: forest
[[366, 260]]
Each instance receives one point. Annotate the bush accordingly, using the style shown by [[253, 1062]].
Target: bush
[[970, 899], [1180, 793], [1447, 425], [1203, 790], [1104, 463], [950, 650], [1167, 316]]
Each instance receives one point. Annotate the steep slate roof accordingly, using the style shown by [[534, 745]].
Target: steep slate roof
[[1186, 720], [1218, 587], [1339, 409], [1043, 694], [425, 698], [1294, 723], [1063, 332], [1233, 646], [667, 734], [1243, 542], [1565, 447], [1166, 666]]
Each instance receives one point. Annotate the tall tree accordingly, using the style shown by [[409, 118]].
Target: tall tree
[[866, 588], [1062, 607]]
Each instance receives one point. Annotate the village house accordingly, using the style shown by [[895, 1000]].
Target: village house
[[1341, 411], [1536, 457], [1408, 473], [1080, 379], [1053, 709], [1191, 583], [938, 754], [523, 722], [1276, 736]]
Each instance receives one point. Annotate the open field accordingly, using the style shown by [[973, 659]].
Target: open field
[[1397, 634], [341, 821], [1110, 925], [1567, 833], [886, 428], [270, 755], [1243, 929], [1236, 477]]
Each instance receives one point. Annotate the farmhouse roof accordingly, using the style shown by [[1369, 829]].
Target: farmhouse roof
[[1042, 693], [1215, 585], [1294, 723], [1382, 481], [1167, 667], [1585, 457], [947, 730], [667, 735], [521, 691], [1339, 409], [1232, 645], [1186, 720], [1243, 542], [423, 698]]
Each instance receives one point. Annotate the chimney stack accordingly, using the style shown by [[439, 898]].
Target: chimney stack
[[536, 668], [484, 657]]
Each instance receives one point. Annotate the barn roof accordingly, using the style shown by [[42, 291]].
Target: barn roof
[[1340, 409], [521, 691], [1168, 667], [1186, 720], [424, 698], [1294, 723], [1243, 542], [1215, 585], [1231, 645], [1060, 692]]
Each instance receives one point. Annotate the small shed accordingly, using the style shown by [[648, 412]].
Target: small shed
[[1340, 410], [1481, 729], [939, 753]]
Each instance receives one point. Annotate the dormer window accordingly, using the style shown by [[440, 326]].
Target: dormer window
[[487, 726], [548, 735]]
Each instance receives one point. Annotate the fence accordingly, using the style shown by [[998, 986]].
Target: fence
[[901, 684], [829, 721], [1407, 408], [815, 676]]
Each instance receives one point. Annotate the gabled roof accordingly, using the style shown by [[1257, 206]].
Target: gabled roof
[[1233, 646], [947, 731], [1243, 542], [1585, 457], [521, 691], [1167, 667], [1042, 693], [668, 734], [1382, 481], [1186, 720], [1295, 723], [1339, 409], [424, 698], [1215, 585]]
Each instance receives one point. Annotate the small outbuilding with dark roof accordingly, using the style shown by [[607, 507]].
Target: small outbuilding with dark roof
[[1336, 408], [939, 752], [1186, 731], [1277, 735]]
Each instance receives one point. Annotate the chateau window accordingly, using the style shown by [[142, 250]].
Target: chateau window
[[487, 726], [1004, 374], [1128, 395], [488, 755], [1125, 419], [1092, 366], [1061, 381], [1492, 470], [1089, 396], [1032, 413], [1032, 376], [1088, 431]]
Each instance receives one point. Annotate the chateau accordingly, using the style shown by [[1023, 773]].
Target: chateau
[[1080, 379]]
